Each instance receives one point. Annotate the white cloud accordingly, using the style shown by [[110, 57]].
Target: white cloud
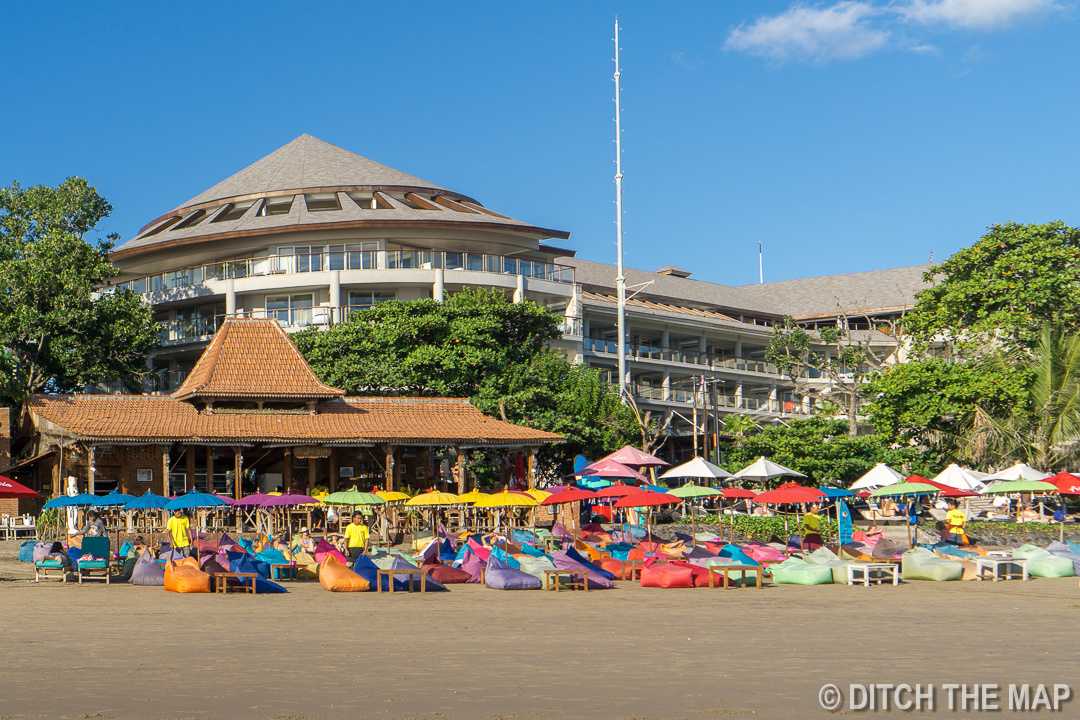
[[814, 34], [973, 14]]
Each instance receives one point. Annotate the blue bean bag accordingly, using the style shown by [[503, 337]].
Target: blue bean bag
[[597, 581], [736, 555], [272, 556], [26, 551], [499, 576], [1062, 550], [260, 566], [530, 550], [147, 572], [577, 557], [368, 570], [432, 585], [245, 564], [508, 560]]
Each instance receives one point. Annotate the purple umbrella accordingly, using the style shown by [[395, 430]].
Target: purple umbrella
[[256, 499], [287, 499]]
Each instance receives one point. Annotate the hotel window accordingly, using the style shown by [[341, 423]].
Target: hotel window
[[235, 211], [364, 299], [321, 202], [291, 309], [302, 258], [276, 206], [357, 256]]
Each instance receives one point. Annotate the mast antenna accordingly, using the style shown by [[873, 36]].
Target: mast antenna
[[620, 278]]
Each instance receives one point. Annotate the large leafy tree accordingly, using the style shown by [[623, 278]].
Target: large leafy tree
[[1045, 430], [476, 344], [1002, 288], [58, 331], [929, 403], [822, 450]]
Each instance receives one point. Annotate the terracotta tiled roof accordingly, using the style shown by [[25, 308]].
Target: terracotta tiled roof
[[253, 359], [152, 418]]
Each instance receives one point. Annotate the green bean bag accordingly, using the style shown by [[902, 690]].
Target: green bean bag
[[1041, 563], [923, 564], [536, 566], [799, 572], [825, 556]]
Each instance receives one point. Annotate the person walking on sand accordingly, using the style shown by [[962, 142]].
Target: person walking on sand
[[177, 529], [357, 536], [956, 523]]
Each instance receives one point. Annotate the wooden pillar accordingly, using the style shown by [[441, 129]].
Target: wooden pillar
[[333, 469], [459, 471], [165, 470], [189, 469], [57, 481], [90, 471], [209, 469], [391, 469], [286, 469], [532, 468], [312, 466], [123, 469], [238, 471]]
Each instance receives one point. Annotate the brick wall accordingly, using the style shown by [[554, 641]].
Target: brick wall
[[5, 439]]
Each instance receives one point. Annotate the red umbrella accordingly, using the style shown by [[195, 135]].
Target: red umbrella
[[737, 493], [1066, 483], [647, 498], [790, 493], [617, 491], [633, 457], [614, 469], [570, 495], [11, 489], [958, 493]]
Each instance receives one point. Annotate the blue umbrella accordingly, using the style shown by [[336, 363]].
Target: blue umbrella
[[195, 500], [149, 501], [80, 500], [114, 499], [836, 492]]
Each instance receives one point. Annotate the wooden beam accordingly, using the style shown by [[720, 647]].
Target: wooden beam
[[286, 469], [532, 468], [165, 470], [452, 205], [209, 469], [333, 469], [189, 470], [311, 467], [459, 470], [420, 201], [391, 469], [90, 470], [123, 468], [238, 470]]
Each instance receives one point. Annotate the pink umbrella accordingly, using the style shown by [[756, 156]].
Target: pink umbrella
[[615, 469], [633, 457]]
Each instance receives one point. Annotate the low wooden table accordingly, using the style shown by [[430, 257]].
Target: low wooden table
[[865, 570], [291, 575], [635, 566], [551, 579], [410, 573], [221, 582], [994, 565], [723, 570]]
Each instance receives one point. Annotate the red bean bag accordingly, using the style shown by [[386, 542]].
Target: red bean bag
[[667, 575], [444, 573], [699, 574], [617, 568]]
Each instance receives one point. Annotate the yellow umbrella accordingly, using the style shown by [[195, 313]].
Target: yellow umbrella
[[507, 499], [433, 498], [392, 495], [472, 496], [539, 494]]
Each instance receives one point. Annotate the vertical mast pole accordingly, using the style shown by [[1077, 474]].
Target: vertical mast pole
[[620, 278]]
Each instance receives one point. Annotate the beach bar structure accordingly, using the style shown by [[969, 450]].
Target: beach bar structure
[[253, 409]]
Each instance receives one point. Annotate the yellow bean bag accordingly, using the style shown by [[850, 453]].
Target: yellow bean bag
[[335, 577], [186, 577], [306, 567]]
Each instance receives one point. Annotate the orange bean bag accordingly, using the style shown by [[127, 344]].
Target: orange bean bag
[[667, 575], [186, 577], [335, 577]]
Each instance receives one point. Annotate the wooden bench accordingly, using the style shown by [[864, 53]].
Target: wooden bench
[[551, 579], [291, 569], [410, 573], [221, 582], [724, 571]]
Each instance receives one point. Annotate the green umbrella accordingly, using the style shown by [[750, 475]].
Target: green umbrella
[[690, 491], [1020, 486], [906, 488], [353, 497]]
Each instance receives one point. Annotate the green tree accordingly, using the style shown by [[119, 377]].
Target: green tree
[[424, 347], [823, 450], [1045, 431], [740, 426], [57, 330], [927, 403], [1014, 278]]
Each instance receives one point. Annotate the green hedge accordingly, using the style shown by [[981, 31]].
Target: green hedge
[[1014, 528], [758, 527]]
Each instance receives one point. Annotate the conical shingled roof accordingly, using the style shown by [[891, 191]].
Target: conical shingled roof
[[235, 366], [307, 162]]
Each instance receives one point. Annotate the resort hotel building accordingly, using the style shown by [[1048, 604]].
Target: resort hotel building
[[312, 232]]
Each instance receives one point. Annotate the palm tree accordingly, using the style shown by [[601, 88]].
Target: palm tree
[[739, 426], [1045, 433]]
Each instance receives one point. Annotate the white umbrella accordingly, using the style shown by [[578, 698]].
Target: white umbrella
[[878, 476], [1019, 471], [763, 469], [697, 468], [957, 477]]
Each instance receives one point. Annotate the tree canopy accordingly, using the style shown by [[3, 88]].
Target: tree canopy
[[57, 330], [1014, 278], [822, 450], [476, 344]]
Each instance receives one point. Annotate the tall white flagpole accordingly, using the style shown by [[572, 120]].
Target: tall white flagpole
[[620, 279]]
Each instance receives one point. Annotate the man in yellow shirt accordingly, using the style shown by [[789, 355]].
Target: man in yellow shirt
[[357, 536], [177, 529], [955, 523], [812, 522]]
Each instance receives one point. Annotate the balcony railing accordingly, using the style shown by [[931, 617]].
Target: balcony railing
[[712, 360], [728, 402], [355, 260]]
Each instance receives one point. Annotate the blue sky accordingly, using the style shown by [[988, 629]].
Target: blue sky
[[845, 136]]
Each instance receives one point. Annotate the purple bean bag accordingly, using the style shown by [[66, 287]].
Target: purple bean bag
[[472, 564], [147, 571], [564, 561], [500, 577], [220, 559], [587, 564]]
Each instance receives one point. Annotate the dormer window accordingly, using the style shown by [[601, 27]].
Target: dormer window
[[320, 202], [191, 220], [234, 211], [276, 206]]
